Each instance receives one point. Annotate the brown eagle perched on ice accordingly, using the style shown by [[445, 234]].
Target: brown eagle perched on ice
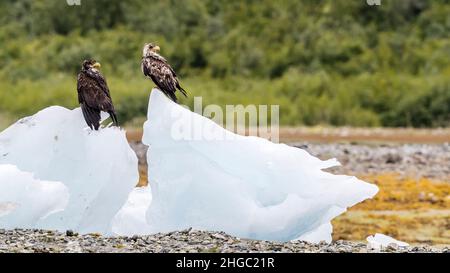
[[156, 68], [93, 94]]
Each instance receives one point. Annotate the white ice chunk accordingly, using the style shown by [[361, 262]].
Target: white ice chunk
[[25, 200], [379, 241], [246, 186], [131, 220], [322, 233], [98, 167]]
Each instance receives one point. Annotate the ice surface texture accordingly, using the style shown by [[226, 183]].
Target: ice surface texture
[[131, 220], [246, 186], [24, 200], [379, 241], [98, 168]]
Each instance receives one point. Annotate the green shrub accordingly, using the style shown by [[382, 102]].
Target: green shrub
[[324, 62]]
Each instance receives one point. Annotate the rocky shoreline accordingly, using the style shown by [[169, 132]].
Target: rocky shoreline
[[409, 160], [186, 241]]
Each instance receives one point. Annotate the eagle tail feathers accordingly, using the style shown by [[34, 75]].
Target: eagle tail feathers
[[182, 91], [172, 96], [91, 116], [113, 116]]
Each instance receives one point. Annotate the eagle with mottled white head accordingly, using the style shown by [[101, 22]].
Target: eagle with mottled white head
[[155, 67], [93, 94]]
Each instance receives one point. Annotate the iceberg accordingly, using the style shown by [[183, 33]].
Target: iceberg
[[56, 173], [380, 241], [131, 220], [25, 200], [98, 169], [243, 185]]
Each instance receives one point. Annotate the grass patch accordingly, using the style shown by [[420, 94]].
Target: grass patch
[[412, 210]]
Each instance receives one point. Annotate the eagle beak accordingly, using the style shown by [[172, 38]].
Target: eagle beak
[[97, 65], [156, 48]]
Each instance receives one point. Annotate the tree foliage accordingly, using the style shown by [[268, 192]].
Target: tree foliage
[[333, 62]]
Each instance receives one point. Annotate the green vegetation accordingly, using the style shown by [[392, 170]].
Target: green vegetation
[[339, 62]]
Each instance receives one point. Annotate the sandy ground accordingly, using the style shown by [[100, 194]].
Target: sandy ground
[[358, 135], [346, 134]]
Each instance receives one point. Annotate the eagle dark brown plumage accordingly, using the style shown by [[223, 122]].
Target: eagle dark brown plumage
[[93, 94], [155, 67]]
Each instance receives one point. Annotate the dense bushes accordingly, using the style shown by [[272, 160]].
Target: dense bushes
[[324, 62]]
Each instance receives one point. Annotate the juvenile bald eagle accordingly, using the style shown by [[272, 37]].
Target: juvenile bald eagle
[[93, 94], [156, 68]]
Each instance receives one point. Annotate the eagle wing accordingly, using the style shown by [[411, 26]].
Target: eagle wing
[[94, 97], [94, 91], [162, 74]]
